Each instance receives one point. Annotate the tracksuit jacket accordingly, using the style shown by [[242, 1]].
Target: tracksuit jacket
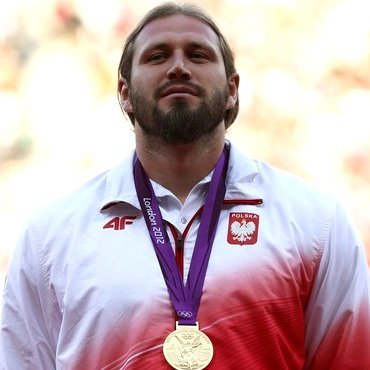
[[287, 285]]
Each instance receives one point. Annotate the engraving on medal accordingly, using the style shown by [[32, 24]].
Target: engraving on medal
[[188, 348]]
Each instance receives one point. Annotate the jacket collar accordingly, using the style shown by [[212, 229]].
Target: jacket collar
[[241, 176], [240, 179]]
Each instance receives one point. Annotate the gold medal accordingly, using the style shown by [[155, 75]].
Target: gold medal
[[188, 348]]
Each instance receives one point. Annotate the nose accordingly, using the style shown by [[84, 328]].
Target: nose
[[178, 68]]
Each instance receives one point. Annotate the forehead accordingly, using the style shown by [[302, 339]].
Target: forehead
[[176, 29]]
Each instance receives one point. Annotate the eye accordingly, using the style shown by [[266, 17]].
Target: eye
[[198, 56], [157, 58]]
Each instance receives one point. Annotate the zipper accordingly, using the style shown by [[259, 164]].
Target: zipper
[[179, 248], [180, 254]]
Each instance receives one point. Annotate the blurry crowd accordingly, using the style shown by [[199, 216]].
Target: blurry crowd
[[305, 95]]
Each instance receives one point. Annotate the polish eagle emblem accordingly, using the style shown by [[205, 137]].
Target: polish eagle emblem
[[242, 231]]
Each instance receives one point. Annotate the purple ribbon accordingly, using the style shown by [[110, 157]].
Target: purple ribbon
[[184, 298]]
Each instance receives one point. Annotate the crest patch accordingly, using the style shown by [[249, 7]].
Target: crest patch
[[243, 228]]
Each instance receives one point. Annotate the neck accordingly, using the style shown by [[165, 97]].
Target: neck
[[179, 167]]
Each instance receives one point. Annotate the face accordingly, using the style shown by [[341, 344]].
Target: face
[[178, 89]]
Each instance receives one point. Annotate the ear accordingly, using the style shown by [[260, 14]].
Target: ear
[[123, 96], [233, 85]]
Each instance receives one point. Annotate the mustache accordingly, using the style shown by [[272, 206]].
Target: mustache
[[197, 89]]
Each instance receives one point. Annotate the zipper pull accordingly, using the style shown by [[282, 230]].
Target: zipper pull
[[179, 241]]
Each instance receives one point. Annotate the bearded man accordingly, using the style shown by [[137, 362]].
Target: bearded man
[[189, 254]]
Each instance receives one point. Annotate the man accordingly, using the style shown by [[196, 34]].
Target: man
[[188, 255]]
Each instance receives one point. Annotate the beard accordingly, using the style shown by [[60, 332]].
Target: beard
[[181, 124]]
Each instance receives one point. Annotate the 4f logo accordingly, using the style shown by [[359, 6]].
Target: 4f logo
[[243, 228], [119, 223]]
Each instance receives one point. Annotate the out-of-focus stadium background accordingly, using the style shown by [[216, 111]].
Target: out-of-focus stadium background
[[305, 96]]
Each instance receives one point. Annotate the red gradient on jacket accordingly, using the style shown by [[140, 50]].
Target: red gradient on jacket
[[259, 334], [262, 334], [339, 341]]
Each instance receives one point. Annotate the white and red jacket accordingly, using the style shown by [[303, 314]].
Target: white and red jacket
[[287, 285]]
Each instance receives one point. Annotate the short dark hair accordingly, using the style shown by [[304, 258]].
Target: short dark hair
[[190, 10]]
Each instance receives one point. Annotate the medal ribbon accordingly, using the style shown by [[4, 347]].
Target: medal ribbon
[[184, 298]]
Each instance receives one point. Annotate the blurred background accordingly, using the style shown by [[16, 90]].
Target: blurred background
[[305, 96]]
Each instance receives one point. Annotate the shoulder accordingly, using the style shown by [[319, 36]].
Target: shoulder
[[84, 205], [80, 201], [275, 185], [279, 181]]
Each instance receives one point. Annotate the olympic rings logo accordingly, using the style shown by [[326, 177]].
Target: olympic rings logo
[[187, 336], [186, 314]]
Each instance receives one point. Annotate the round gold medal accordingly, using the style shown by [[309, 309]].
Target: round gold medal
[[188, 348]]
